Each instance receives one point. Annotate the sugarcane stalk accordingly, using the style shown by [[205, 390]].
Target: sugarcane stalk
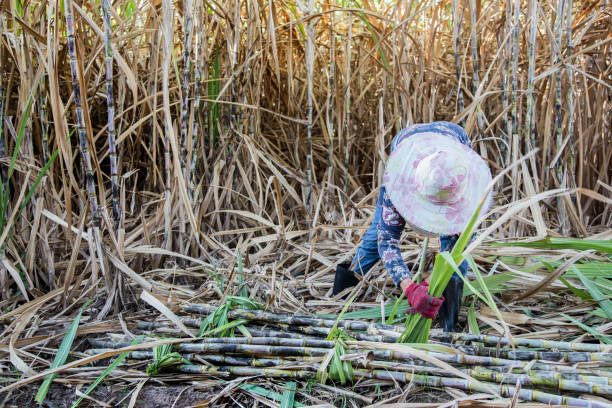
[[570, 89], [332, 92], [282, 318], [390, 330], [270, 341], [81, 130], [167, 23], [475, 75], [456, 27], [246, 371], [505, 78], [403, 377], [568, 356], [310, 54], [44, 125], [110, 105], [548, 380], [255, 331], [347, 98], [2, 144], [545, 381], [221, 359], [288, 347], [188, 30], [324, 332], [558, 112], [514, 140], [532, 343], [460, 383], [530, 136], [566, 380], [595, 377], [271, 330], [85, 155], [255, 362], [563, 381], [251, 349], [196, 102]]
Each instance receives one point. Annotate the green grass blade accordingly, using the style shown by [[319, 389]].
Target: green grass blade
[[288, 395], [243, 292], [61, 355], [604, 302], [602, 337], [472, 322], [20, 136], [108, 370], [584, 295]]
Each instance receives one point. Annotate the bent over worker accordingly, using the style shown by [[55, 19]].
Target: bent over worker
[[433, 182]]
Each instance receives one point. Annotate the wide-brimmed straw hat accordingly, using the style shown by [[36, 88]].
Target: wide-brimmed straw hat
[[435, 183]]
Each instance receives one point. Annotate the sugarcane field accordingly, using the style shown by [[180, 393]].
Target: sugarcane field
[[306, 203]]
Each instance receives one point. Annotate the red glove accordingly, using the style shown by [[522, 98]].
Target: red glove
[[421, 301]]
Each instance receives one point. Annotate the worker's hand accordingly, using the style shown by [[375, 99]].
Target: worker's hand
[[421, 301]]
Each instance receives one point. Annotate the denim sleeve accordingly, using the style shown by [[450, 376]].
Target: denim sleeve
[[389, 231]]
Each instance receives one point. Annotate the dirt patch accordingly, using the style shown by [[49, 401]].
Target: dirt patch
[[61, 396]]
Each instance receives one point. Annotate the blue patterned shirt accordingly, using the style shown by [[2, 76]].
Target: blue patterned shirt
[[392, 223]]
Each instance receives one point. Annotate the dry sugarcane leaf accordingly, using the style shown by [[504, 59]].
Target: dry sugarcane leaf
[[163, 309], [145, 284], [88, 360], [22, 321]]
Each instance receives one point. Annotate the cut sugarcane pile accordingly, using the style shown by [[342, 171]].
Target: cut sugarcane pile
[[274, 345]]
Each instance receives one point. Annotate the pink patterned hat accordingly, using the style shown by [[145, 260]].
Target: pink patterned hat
[[435, 183]]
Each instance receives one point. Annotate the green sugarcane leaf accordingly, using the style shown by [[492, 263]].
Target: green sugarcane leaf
[[337, 363], [108, 370], [288, 398], [61, 355], [266, 393], [223, 328], [244, 331], [604, 302], [348, 371], [495, 283], [582, 294], [243, 292], [603, 246], [346, 306], [395, 307], [472, 322], [601, 337], [467, 283], [491, 303]]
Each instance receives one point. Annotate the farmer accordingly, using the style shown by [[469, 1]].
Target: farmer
[[433, 182]]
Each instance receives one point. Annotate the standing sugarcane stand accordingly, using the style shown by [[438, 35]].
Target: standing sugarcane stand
[[433, 182]]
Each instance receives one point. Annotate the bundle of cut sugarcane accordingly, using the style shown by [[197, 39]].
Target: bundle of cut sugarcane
[[287, 346]]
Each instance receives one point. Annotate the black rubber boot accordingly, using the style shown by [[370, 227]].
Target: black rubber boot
[[449, 311], [345, 278]]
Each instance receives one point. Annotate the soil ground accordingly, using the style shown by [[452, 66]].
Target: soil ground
[[61, 396], [151, 396]]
